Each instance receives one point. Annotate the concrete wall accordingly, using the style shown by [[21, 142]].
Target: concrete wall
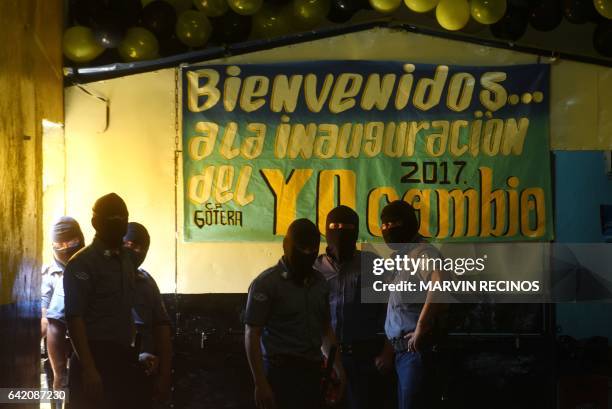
[[31, 90]]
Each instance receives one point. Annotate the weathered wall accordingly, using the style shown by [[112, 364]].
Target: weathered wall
[[31, 90]]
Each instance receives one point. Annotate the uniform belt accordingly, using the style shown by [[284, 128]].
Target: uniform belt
[[400, 344]]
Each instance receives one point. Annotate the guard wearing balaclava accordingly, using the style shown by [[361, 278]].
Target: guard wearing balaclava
[[366, 357], [301, 247], [399, 223], [409, 324], [152, 323], [341, 231], [137, 239], [99, 296], [110, 219], [288, 323], [66, 240]]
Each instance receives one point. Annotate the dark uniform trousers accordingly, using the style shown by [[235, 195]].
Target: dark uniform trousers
[[124, 383], [295, 382], [367, 388]]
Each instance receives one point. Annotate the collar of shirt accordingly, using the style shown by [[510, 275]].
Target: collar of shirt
[[141, 274], [103, 249], [329, 258], [284, 269], [408, 247], [56, 268], [338, 267]]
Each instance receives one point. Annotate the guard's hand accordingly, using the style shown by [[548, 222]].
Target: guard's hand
[[264, 397], [384, 361], [415, 340], [149, 362], [161, 390], [340, 385], [92, 384]]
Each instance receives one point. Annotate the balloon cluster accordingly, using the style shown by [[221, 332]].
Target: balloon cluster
[[508, 19], [103, 31]]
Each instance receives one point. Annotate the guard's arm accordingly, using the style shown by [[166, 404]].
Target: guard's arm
[[163, 349], [329, 340], [56, 347], [252, 343], [264, 397], [430, 311]]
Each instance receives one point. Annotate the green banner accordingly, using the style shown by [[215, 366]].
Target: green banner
[[266, 144]]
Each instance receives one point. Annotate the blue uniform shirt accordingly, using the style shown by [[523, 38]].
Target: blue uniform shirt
[[149, 310], [402, 317], [352, 321], [99, 287], [293, 316], [52, 290]]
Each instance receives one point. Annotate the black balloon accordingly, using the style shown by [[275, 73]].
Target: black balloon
[[546, 15], [512, 25], [127, 10], [342, 11], [579, 11], [171, 46], [159, 17], [82, 11], [277, 2], [108, 29], [230, 28], [602, 38], [109, 56]]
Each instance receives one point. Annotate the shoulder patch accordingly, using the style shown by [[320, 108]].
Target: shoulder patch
[[81, 275], [261, 297]]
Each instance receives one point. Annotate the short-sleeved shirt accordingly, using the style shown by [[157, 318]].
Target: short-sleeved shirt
[[293, 315], [52, 277], [402, 317], [149, 310], [352, 320], [99, 287]]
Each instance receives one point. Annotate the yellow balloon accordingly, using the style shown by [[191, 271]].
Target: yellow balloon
[[193, 28], [180, 5], [385, 6], [421, 6], [272, 21], [604, 7], [245, 7], [488, 11], [138, 44], [453, 14], [212, 8], [310, 13], [80, 45]]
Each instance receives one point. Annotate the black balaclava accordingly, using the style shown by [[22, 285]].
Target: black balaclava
[[301, 235], [341, 237], [403, 214], [64, 231], [138, 235], [110, 218]]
